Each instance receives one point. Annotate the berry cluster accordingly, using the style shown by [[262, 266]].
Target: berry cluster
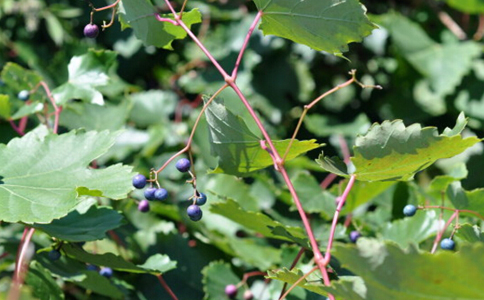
[[183, 165]]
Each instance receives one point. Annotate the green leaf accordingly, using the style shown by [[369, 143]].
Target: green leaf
[[19, 78], [392, 273], [313, 198], [41, 174], [267, 256], [216, 276], [27, 110], [470, 233], [391, 151], [89, 226], [257, 222], [152, 107], [155, 264], [467, 6], [140, 15], [4, 106], [322, 25], [86, 72], [466, 200], [239, 149], [42, 283]]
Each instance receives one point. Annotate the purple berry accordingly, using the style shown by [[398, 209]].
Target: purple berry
[[231, 291], [150, 193], [54, 254], [106, 272], [161, 194], [23, 95], [91, 31], [183, 165], [354, 236], [139, 181], [194, 212], [201, 199], [144, 206], [248, 295]]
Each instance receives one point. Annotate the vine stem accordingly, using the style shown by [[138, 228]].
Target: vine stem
[[245, 44], [57, 109], [16, 128], [453, 209], [441, 232], [21, 264], [166, 287], [294, 262]]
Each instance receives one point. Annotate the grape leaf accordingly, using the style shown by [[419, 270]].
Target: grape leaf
[[391, 151], [140, 15], [42, 175], [322, 25], [291, 276], [86, 72], [238, 148], [468, 200], [89, 226]]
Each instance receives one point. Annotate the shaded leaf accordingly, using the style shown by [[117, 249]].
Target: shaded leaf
[[216, 276], [315, 23], [470, 233], [466, 200], [43, 285], [19, 78], [313, 198]]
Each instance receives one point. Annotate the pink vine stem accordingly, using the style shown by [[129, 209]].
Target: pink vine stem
[[21, 265], [166, 287]]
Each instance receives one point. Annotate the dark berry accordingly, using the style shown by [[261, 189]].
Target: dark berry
[[161, 194], [201, 199], [54, 254], [144, 206], [106, 272], [409, 210], [91, 31], [447, 244], [150, 193], [23, 95], [90, 267], [139, 181], [231, 291], [354, 236], [248, 295], [183, 165], [194, 212]]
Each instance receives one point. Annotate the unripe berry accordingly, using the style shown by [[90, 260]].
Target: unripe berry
[[150, 193], [201, 199], [139, 181], [183, 165], [194, 212], [106, 272], [248, 295], [161, 194], [354, 236], [144, 206], [91, 31], [23, 95], [54, 254], [447, 244], [231, 291], [409, 210]]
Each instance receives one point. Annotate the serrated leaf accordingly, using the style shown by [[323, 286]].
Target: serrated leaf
[[155, 264], [391, 151], [40, 174], [216, 276], [258, 222], [140, 15], [392, 273], [291, 276], [470, 233], [466, 200], [322, 25], [4, 106], [89, 226], [86, 72], [239, 149]]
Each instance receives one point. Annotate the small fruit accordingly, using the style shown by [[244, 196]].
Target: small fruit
[[248, 295], [139, 181], [54, 254], [106, 272], [91, 31], [354, 236], [161, 194], [231, 291], [23, 95], [144, 206], [194, 212], [201, 199], [447, 244], [150, 193], [409, 210], [183, 165]]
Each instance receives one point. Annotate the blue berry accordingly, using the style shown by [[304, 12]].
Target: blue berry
[[90, 267], [161, 194], [54, 254], [354, 236], [201, 199], [144, 206], [447, 244], [139, 181], [231, 291], [409, 210], [183, 165], [106, 272], [23, 95], [91, 31], [194, 212], [150, 193]]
